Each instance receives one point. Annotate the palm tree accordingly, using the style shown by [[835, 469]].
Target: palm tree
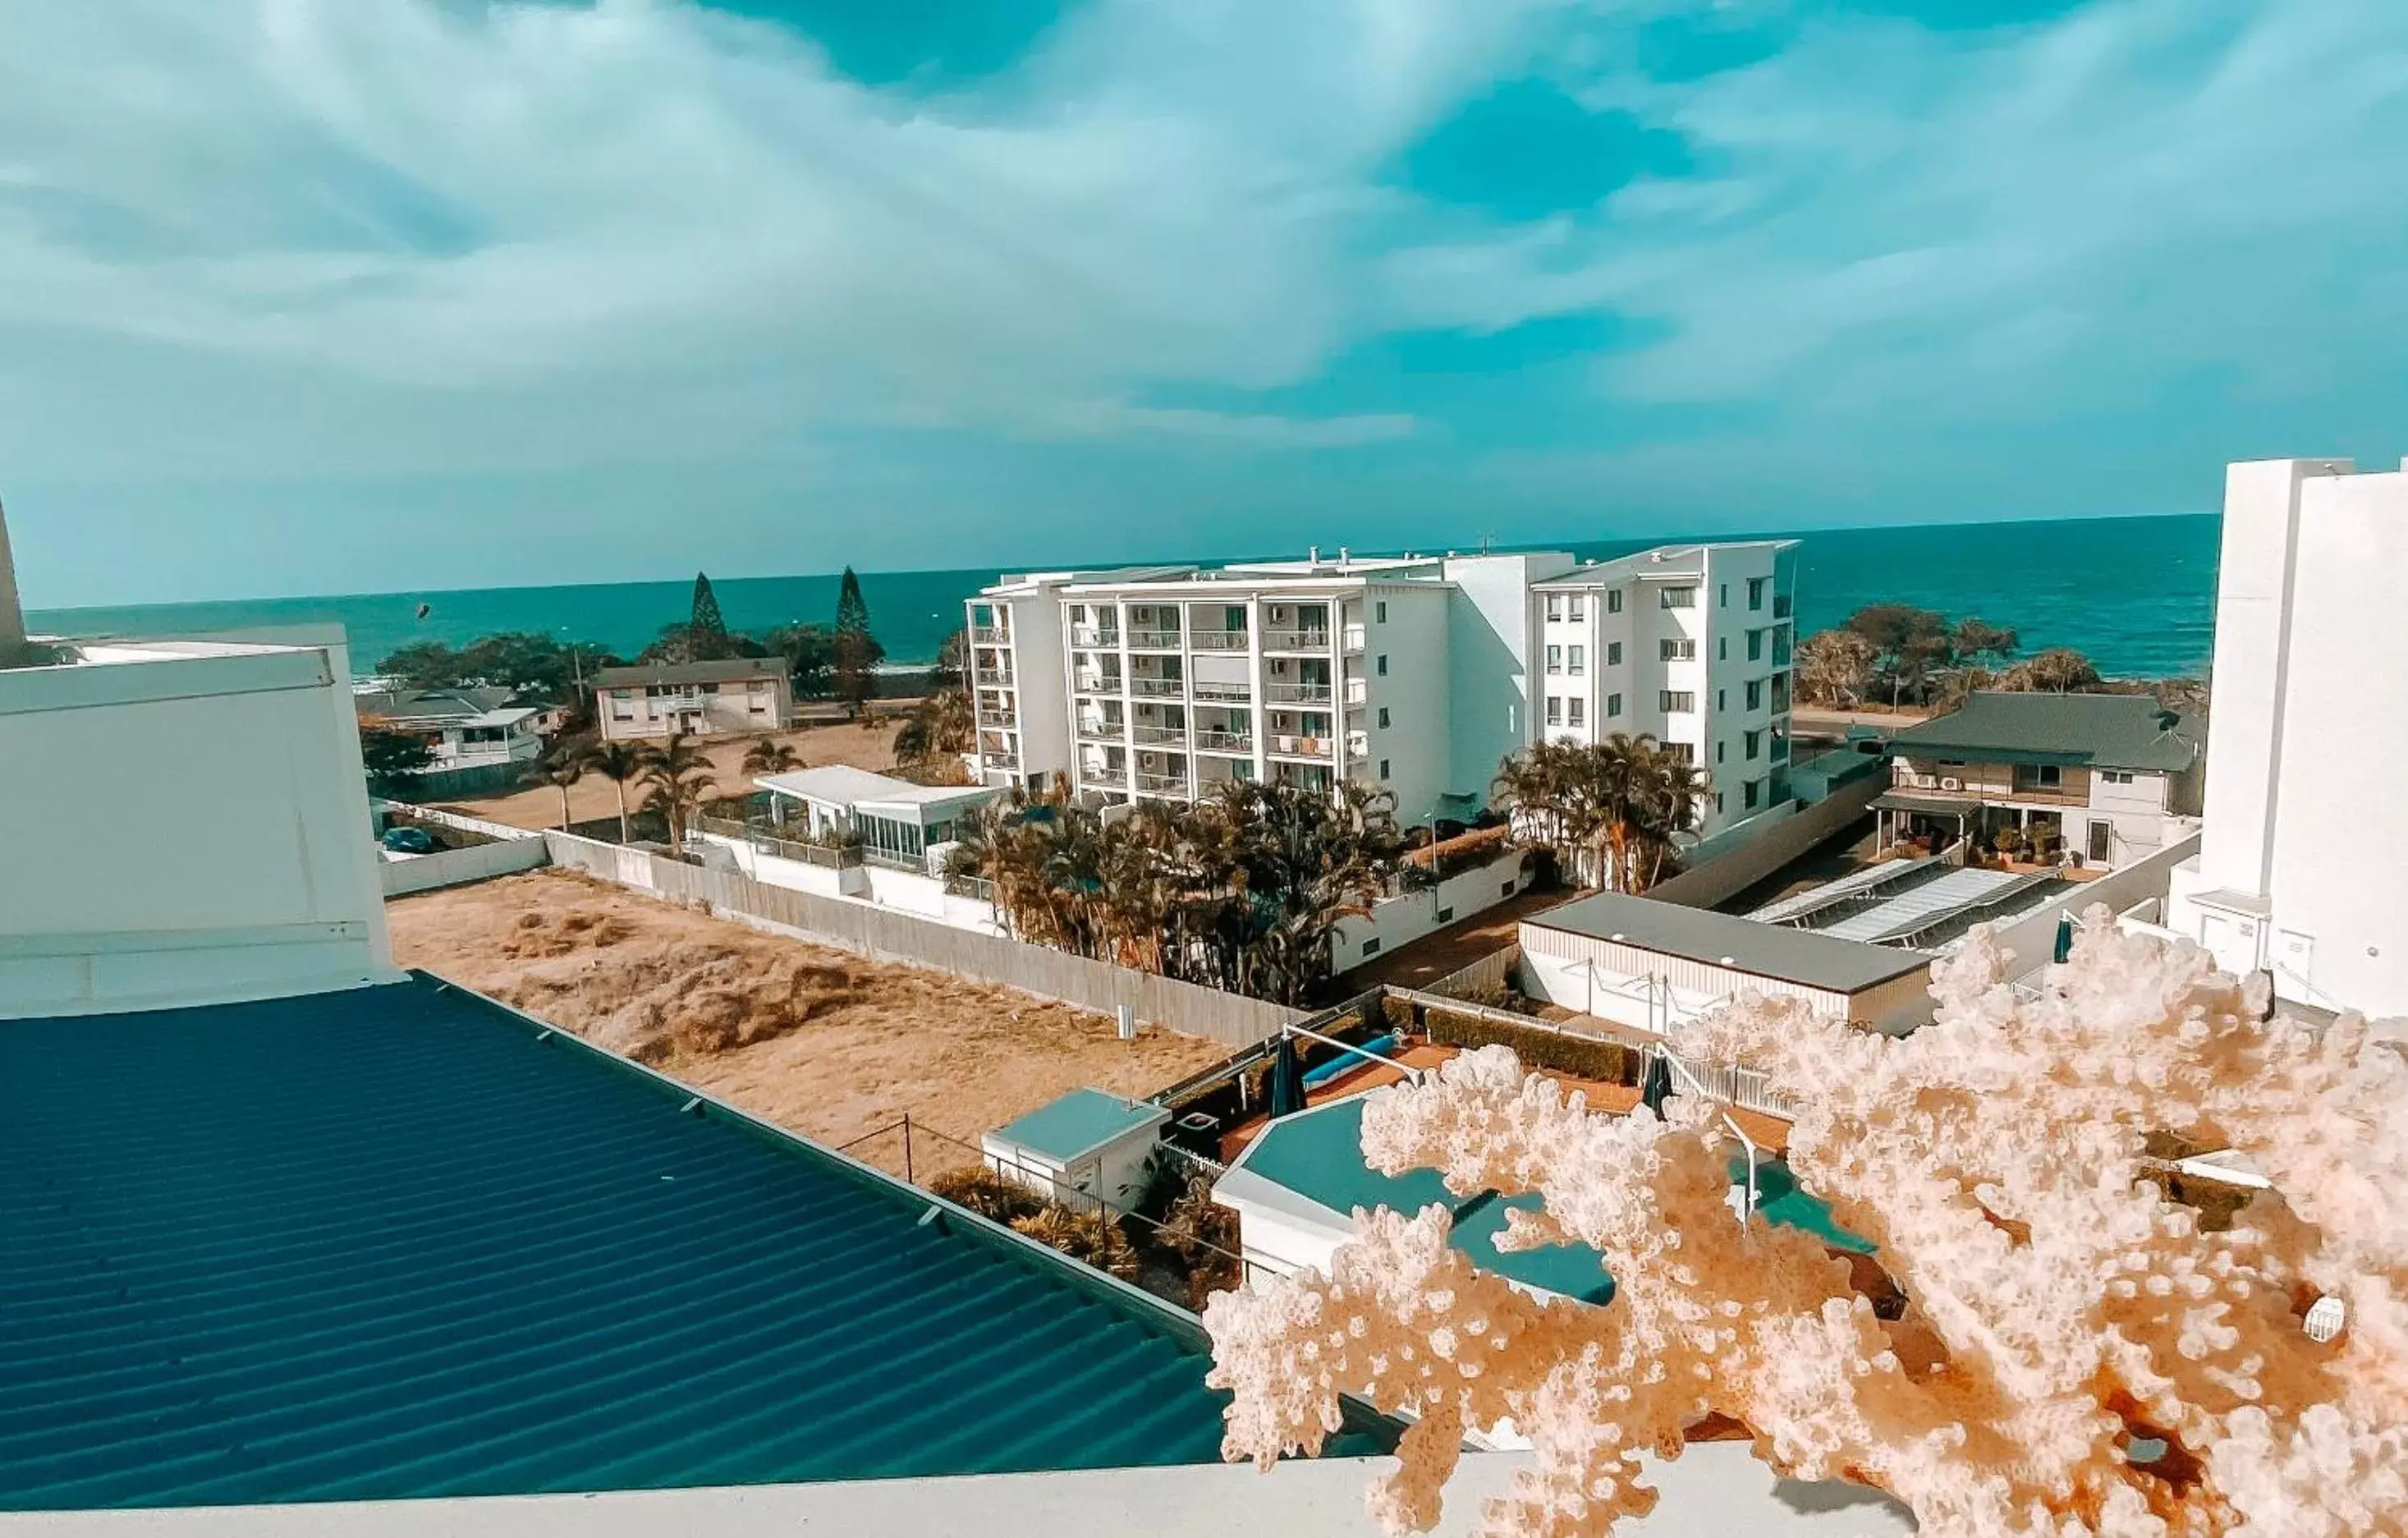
[[679, 775], [622, 764], [770, 756], [561, 766]]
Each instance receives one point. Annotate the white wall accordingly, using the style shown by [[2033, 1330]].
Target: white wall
[[1408, 917], [1491, 693], [186, 827], [1415, 692], [459, 867]]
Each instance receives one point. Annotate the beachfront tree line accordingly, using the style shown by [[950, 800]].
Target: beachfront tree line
[[1898, 655], [836, 661], [1608, 811], [1241, 891]]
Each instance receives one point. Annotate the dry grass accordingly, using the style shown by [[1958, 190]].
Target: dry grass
[[819, 1041], [862, 745]]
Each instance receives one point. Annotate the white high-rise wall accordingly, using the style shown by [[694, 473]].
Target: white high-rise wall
[[1419, 674], [2298, 869]]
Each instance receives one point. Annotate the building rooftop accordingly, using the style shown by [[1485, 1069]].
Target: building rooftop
[[2104, 731], [398, 1242], [731, 670], [841, 784], [470, 707], [1736, 944], [1079, 1123], [1664, 561]]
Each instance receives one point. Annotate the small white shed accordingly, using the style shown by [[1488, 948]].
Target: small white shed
[[1088, 1142]]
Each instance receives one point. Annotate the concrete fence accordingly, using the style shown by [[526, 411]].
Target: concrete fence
[[1720, 877], [2033, 937], [889, 935], [458, 867]]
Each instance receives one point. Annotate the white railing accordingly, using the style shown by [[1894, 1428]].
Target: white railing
[[991, 635], [1296, 640], [1301, 747], [1303, 694], [1217, 640], [1089, 635], [1225, 742], [1165, 784], [1160, 734], [1237, 693], [1159, 688], [1104, 731], [1097, 683], [1155, 640]]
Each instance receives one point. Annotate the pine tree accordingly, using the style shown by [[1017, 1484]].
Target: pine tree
[[851, 609], [706, 632], [857, 652]]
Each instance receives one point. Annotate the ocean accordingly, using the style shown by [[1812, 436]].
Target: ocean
[[2135, 594]]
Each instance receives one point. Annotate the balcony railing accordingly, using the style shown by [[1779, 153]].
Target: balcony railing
[[1212, 742], [1097, 683], [1091, 635], [1158, 688], [988, 672], [894, 859], [1217, 640], [991, 635], [831, 856], [1162, 784], [1155, 640], [1301, 747], [969, 886], [1301, 693], [1358, 692], [1104, 731], [998, 758], [1240, 692], [1160, 734], [1296, 640], [1352, 641]]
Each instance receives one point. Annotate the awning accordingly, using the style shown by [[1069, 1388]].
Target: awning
[[1930, 806]]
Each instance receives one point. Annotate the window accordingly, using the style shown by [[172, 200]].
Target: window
[[1447, 916], [2116, 777], [1680, 753], [1722, 699], [1380, 613], [1579, 661], [1573, 607], [1750, 793], [1756, 646], [1555, 709], [1722, 647], [1383, 718], [1372, 946], [1383, 665], [1755, 591], [1555, 659], [1669, 650], [1612, 705], [2039, 776], [1680, 701], [1614, 653], [1680, 597], [1753, 742], [1718, 803], [2102, 844], [1719, 754], [1722, 598], [1384, 768], [1613, 601], [1554, 606], [1578, 715], [1755, 694]]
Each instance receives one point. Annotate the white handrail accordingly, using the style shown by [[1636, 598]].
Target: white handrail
[[1412, 1073]]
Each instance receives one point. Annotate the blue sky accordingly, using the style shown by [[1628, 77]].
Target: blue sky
[[307, 295]]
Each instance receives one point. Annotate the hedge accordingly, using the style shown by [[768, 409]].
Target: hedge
[[1607, 1062]]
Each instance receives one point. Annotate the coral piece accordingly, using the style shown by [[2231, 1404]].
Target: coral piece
[[2078, 1353]]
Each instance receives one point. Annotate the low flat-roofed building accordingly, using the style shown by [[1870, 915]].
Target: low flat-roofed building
[[1087, 1142], [1647, 964]]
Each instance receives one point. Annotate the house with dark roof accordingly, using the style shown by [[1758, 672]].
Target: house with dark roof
[[468, 728], [695, 698], [2098, 780]]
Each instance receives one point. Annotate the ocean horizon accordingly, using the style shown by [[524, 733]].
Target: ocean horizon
[[2136, 594]]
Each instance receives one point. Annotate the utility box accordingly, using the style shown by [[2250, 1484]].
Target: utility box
[[1086, 1143]]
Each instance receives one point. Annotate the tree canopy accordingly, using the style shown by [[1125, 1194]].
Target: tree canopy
[[522, 661], [856, 653], [2069, 1331], [1609, 809], [390, 757]]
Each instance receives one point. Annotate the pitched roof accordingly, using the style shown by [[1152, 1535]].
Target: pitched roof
[[2105, 732], [1079, 1123], [733, 670], [456, 706], [1770, 950], [399, 1242]]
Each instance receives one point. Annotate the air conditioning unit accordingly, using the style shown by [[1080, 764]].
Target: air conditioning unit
[[1951, 783]]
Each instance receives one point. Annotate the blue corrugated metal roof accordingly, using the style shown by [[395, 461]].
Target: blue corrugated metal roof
[[390, 1242]]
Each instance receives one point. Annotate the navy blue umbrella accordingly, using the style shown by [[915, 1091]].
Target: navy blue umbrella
[[1657, 1086], [1287, 1079], [2064, 937]]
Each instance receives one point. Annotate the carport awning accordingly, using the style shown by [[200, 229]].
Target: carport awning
[[1930, 806]]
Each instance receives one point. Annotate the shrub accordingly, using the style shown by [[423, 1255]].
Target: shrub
[[1399, 1014], [987, 1194], [1607, 1062], [1087, 1238]]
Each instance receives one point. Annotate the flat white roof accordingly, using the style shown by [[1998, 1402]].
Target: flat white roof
[[842, 785]]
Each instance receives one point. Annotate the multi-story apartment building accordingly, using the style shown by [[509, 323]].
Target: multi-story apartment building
[[1417, 673], [696, 698], [1689, 644]]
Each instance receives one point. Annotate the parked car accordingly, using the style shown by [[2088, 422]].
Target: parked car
[[406, 840]]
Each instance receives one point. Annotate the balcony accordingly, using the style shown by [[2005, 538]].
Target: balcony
[[1158, 688], [1095, 684], [1160, 734], [1241, 694], [1161, 785], [994, 673], [990, 634], [1298, 694], [1103, 731], [1217, 741], [1154, 640], [1781, 606], [832, 856], [1358, 692], [1095, 636], [1296, 640], [1299, 747], [998, 758], [1217, 640], [1352, 641]]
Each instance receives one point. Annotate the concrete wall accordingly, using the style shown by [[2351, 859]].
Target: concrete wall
[[459, 867], [1740, 866], [1643, 989], [183, 823], [1415, 743], [868, 929], [1492, 690], [2033, 937], [1404, 918]]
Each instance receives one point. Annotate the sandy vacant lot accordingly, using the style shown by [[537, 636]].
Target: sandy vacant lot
[[863, 746], [819, 1041]]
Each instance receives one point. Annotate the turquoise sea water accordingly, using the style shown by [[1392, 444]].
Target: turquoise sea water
[[2137, 594]]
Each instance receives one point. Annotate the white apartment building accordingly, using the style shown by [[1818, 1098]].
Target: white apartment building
[[2298, 868], [695, 698], [1689, 644], [1419, 673]]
